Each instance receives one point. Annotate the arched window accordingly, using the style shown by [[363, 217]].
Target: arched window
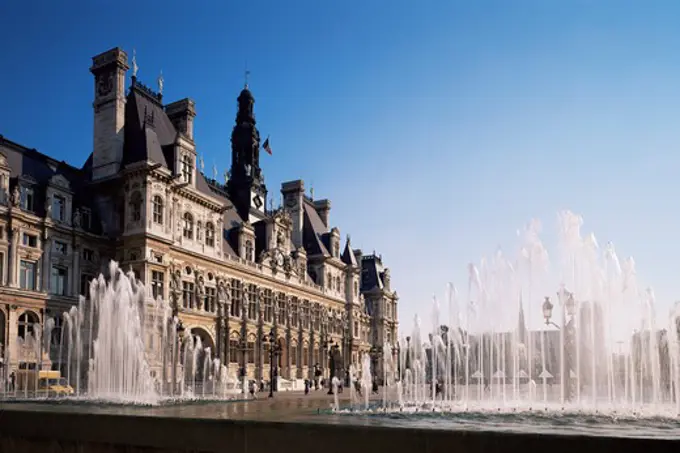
[[187, 168], [188, 232], [28, 323], [136, 207], [210, 234], [158, 209], [249, 250]]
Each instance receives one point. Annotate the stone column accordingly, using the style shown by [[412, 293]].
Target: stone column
[[46, 259], [12, 259], [260, 335], [75, 272], [289, 359]]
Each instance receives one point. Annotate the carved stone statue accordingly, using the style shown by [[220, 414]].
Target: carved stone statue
[[16, 196], [280, 239], [48, 206], [176, 283], [77, 218], [200, 291]]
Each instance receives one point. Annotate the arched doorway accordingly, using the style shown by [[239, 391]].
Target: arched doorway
[[202, 338], [28, 334]]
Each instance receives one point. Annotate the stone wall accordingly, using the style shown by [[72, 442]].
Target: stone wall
[[60, 431]]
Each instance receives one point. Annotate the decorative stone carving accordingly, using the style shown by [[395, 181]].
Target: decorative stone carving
[[200, 289], [77, 218], [16, 196]]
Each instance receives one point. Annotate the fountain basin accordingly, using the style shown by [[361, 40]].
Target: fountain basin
[[240, 427]]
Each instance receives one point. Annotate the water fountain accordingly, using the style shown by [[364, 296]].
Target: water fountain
[[575, 335], [103, 355]]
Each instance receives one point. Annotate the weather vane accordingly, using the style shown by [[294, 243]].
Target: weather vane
[[135, 68], [247, 76]]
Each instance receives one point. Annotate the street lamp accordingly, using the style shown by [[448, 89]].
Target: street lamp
[[567, 334], [274, 352], [408, 353]]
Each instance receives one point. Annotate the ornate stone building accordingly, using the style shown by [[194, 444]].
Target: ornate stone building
[[233, 267]]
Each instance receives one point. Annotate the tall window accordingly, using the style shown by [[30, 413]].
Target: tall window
[[268, 306], [58, 208], [294, 355], [158, 209], [85, 280], [187, 168], [252, 301], [305, 315], [188, 226], [27, 198], [28, 322], [210, 299], [316, 318], [58, 280], [233, 350], [210, 234], [281, 308], [267, 354], [294, 317], [27, 275], [157, 280], [236, 298], [188, 294], [250, 251], [136, 207], [251, 351]]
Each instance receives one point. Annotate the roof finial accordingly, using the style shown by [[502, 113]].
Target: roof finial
[[160, 83], [311, 192], [247, 76], [214, 171], [135, 68], [202, 164]]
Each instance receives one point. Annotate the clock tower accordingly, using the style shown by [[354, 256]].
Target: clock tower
[[246, 185], [109, 70]]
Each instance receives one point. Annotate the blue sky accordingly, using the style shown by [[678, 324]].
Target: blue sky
[[437, 128]]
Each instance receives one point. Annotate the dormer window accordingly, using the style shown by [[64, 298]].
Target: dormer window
[[58, 208], [187, 168], [210, 234], [27, 198], [188, 231], [249, 250], [136, 207]]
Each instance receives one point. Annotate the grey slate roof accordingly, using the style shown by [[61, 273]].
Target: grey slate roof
[[348, 255], [148, 130], [372, 272], [313, 232], [31, 165]]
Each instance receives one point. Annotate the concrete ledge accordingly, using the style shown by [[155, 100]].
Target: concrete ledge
[[52, 432]]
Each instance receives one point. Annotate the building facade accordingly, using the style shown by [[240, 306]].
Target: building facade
[[234, 268]]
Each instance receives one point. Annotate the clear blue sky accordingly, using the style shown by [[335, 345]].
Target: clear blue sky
[[437, 128]]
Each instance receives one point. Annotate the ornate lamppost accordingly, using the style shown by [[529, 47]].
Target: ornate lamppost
[[567, 336], [408, 353], [274, 352]]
